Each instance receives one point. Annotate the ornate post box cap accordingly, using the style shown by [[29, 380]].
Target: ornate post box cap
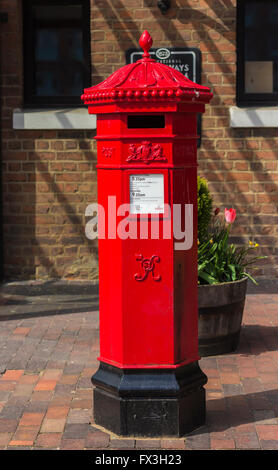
[[146, 80]]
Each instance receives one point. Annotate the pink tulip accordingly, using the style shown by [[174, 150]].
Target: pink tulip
[[230, 215]]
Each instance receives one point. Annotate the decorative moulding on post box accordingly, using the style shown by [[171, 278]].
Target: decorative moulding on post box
[[72, 118], [254, 117], [146, 80], [146, 152], [148, 265]]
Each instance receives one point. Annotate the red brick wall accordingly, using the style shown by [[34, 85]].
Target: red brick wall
[[49, 176]]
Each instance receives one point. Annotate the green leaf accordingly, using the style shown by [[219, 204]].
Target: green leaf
[[233, 271], [202, 266], [250, 277], [207, 277]]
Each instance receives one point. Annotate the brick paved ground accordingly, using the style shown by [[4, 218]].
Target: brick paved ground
[[48, 350]]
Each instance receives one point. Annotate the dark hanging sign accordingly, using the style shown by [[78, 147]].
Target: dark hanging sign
[[186, 60]]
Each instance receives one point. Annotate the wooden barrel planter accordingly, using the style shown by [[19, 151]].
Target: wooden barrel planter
[[220, 315]]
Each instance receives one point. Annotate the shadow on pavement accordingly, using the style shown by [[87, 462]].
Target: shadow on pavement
[[223, 414], [257, 339], [21, 300]]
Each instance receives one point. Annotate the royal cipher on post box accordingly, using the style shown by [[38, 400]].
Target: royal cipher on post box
[[149, 381]]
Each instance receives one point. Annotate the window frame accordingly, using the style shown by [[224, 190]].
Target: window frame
[[29, 99], [244, 99]]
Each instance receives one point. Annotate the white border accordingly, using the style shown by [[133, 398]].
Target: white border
[[70, 118], [254, 117]]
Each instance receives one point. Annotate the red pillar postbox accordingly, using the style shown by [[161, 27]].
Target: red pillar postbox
[[149, 381]]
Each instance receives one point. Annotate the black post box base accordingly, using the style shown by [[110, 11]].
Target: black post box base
[[150, 402]]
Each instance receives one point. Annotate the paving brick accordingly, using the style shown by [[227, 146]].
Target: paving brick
[[53, 425], [97, 440], [62, 389], [216, 405], [61, 400], [240, 428], [265, 417], [28, 379], [230, 378], [44, 384], [36, 407], [222, 433], [81, 404], [232, 389], [222, 444], [8, 425], [52, 374], [23, 390], [72, 444], [5, 438], [68, 379], [12, 375], [89, 371], [73, 368], [24, 437], [259, 401], [19, 446], [147, 444], [12, 412], [50, 439], [269, 445], [21, 331], [57, 412], [212, 395], [79, 416], [213, 384], [198, 441], [248, 372], [31, 419], [78, 431], [251, 384], [172, 444], [247, 441], [42, 395], [7, 386], [269, 378], [268, 431]]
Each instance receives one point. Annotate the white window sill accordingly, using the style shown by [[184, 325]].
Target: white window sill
[[69, 118], [254, 117]]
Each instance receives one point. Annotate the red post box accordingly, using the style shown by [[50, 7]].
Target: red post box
[[149, 381]]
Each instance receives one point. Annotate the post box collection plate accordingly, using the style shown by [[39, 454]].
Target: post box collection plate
[[146, 193], [149, 382]]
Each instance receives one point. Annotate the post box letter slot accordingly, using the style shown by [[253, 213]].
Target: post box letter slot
[[145, 121]]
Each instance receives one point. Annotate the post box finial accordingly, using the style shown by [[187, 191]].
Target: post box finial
[[145, 42]]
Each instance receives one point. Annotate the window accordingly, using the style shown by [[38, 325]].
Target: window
[[257, 52], [56, 52]]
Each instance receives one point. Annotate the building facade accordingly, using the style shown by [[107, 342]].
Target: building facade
[[50, 49]]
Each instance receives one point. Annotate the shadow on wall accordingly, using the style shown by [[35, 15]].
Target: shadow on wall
[[49, 185]]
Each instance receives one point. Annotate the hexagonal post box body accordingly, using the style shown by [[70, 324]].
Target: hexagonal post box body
[[149, 381]]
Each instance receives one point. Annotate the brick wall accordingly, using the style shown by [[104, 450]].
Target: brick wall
[[49, 176]]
